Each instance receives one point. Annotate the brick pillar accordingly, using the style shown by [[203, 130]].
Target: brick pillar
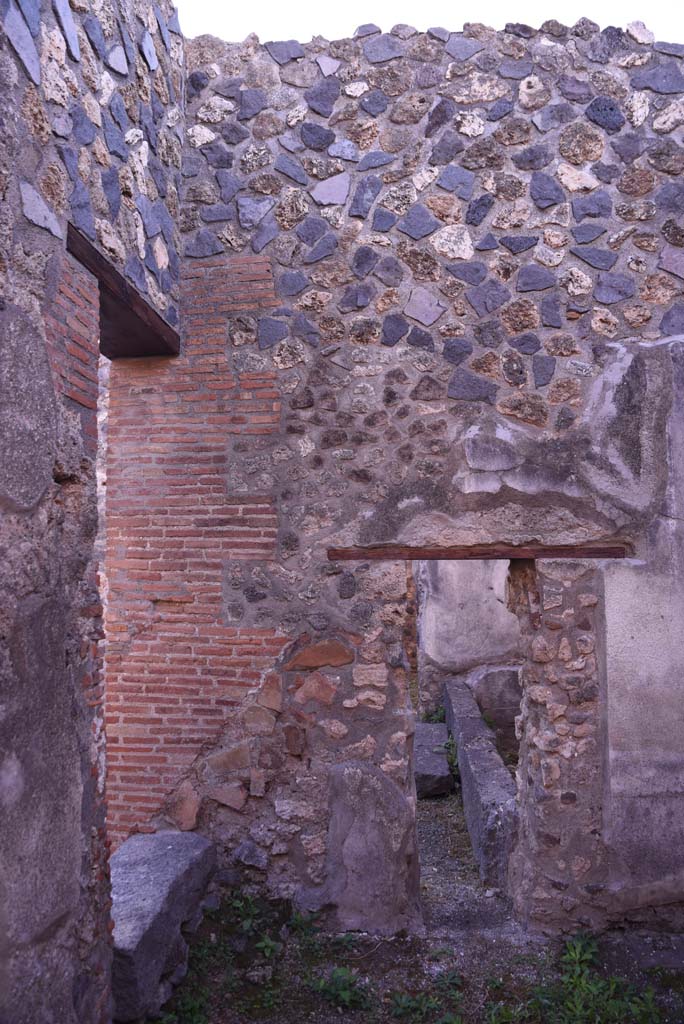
[[558, 869], [176, 666]]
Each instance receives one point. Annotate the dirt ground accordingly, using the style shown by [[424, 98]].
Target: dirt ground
[[255, 961]]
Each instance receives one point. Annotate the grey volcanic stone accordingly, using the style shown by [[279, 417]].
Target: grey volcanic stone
[[292, 282], [448, 146], [205, 243], [487, 297], [374, 102], [663, 78], [424, 307], [371, 822], [671, 49], [265, 233], [364, 260], [584, 233], [471, 273], [545, 190], [543, 369], [158, 882], [456, 350], [604, 111], [112, 190], [465, 386], [382, 48], [252, 211], [553, 116], [271, 331], [333, 191], [68, 27], [430, 765], [284, 52], [37, 211], [533, 278], [519, 243], [311, 229], [148, 51], [135, 272], [528, 343], [93, 29], [601, 259], [418, 222], [323, 96], [304, 329], [114, 137], [116, 60], [366, 193], [150, 216], [291, 168], [479, 208], [672, 260], [83, 128], [368, 29], [574, 89], [229, 185], [418, 338], [316, 136], [441, 114], [81, 211], [234, 133], [532, 158], [118, 111], [394, 327], [390, 271], [597, 204], [252, 102], [357, 296], [461, 48], [457, 180], [551, 312], [383, 219], [376, 158], [673, 321], [344, 149], [487, 243], [217, 212], [217, 155], [163, 28], [515, 69], [612, 288], [500, 109], [324, 247]]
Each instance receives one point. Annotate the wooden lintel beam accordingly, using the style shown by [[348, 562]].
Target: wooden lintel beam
[[129, 326], [400, 552]]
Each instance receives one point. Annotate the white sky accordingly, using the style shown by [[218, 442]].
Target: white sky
[[336, 19]]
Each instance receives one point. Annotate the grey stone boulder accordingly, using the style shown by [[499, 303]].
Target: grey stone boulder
[[430, 765], [373, 869], [158, 882]]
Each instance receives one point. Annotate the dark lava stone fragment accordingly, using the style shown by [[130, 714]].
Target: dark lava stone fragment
[[489, 333], [533, 278], [283, 52], [518, 29], [356, 296], [346, 585], [500, 109], [465, 386], [383, 219], [196, 82], [311, 229], [515, 69], [487, 243], [292, 282], [673, 321], [611, 288], [315, 136], [304, 329], [418, 222], [545, 190], [376, 158], [324, 247], [135, 272], [519, 243], [390, 271], [596, 204], [479, 208], [543, 369], [528, 344], [584, 233], [471, 273], [487, 297], [252, 102], [565, 419], [446, 148], [394, 327], [271, 331], [374, 102], [365, 195], [112, 190], [364, 260], [441, 114], [670, 198], [456, 350], [291, 168], [421, 339], [233, 133], [600, 259], [606, 172], [457, 180], [322, 96], [551, 311], [663, 78], [629, 147], [83, 130], [574, 89], [604, 111], [532, 158], [217, 155], [204, 243]]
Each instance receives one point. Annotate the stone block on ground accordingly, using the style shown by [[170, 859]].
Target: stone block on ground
[[430, 765], [158, 882], [487, 787]]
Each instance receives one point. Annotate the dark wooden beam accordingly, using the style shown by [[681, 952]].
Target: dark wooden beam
[[402, 552], [129, 327]]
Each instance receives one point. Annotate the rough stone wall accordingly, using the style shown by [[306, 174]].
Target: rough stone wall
[[448, 358], [91, 134]]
